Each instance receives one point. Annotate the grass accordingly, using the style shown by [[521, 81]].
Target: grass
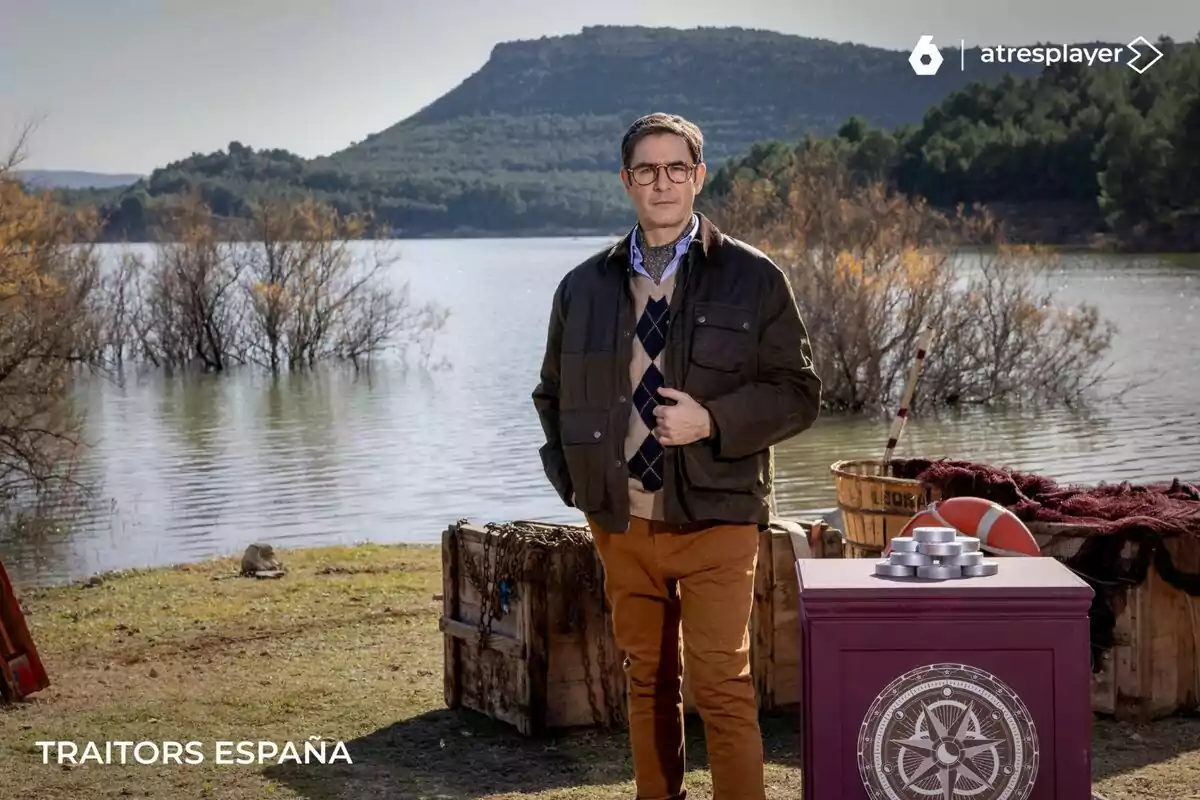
[[346, 646]]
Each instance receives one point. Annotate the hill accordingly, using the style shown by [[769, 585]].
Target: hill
[[529, 143], [75, 179], [1075, 154], [563, 102]]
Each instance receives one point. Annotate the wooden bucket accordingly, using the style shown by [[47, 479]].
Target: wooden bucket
[[875, 505]]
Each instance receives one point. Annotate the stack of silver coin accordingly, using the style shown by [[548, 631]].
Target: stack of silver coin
[[936, 554]]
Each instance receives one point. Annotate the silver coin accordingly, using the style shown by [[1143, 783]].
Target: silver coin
[[963, 560], [981, 570], [939, 572], [911, 559], [934, 534], [904, 544], [970, 544], [891, 570], [941, 548]]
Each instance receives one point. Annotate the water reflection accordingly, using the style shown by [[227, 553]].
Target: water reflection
[[192, 468]]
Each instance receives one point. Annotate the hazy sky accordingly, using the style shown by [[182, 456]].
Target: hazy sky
[[128, 85]]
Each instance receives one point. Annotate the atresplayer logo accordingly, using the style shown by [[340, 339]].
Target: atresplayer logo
[[926, 59], [1140, 68]]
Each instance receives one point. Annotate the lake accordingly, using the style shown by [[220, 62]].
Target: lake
[[188, 469]]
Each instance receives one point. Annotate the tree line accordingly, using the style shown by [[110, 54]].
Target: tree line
[[1116, 150], [1072, 152]]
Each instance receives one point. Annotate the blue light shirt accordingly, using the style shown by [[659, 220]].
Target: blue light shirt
[[635, 255]]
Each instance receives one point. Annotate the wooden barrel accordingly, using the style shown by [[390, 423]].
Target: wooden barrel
[[875, 504]]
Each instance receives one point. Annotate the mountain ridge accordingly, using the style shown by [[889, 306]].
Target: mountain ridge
[[75, 178], [528, 144], [592, 84]]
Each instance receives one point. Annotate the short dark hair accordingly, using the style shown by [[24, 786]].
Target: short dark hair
[[651, 124]]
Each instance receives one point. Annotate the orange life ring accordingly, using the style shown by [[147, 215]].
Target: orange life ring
[[999, 530]]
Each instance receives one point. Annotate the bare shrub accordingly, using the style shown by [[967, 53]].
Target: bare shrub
[[292, 290], [872, 268], [310, 300], [48, 331], [186, 311]]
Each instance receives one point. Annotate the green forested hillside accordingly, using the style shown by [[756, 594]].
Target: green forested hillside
[[529, 143], [1113, 150]]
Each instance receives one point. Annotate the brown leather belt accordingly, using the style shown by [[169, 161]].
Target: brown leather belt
[[659, 526]]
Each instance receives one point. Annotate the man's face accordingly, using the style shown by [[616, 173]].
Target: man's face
[[663, 203]]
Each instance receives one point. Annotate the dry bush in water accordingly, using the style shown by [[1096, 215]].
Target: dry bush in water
[[871, 269], [292, 289], [49, 329]]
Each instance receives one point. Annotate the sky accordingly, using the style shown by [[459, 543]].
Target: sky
[[130, 85]]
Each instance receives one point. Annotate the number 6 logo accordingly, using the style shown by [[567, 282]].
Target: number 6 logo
[[925, 51]]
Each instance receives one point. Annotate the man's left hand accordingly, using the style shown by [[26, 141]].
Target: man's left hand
[[683, 423]]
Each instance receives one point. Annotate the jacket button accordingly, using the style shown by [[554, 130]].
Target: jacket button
[[618, 462], [700, 320], [745, 326], [621, 399], [596, 435]]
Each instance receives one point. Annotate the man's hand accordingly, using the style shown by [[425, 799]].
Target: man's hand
[[683, 423]]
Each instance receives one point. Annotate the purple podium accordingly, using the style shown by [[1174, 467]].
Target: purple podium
[[960, 689]]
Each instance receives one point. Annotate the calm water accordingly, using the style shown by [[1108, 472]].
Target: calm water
[[190, 469]]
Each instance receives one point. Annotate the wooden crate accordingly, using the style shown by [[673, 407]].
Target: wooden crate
[[1153, 669], [775, 621], [543, 669], [548, 661]]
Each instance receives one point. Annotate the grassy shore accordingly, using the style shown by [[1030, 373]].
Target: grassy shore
[[346, 647]]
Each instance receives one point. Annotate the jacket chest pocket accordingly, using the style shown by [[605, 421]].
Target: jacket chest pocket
[[721, 337]]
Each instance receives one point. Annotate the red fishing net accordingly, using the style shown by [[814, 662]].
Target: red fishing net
[[1123, 525]]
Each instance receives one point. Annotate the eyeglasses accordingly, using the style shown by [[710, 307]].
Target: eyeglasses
[[646, 174]]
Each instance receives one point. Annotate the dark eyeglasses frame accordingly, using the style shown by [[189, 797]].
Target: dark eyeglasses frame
[[691, 170]]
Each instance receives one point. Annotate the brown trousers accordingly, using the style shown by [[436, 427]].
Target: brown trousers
[[656, 579]]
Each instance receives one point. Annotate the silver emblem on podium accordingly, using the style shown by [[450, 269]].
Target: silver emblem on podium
[[948, 731]]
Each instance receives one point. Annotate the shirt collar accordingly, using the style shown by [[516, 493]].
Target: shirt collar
[[635, 253]]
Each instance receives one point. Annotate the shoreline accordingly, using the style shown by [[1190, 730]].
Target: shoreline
[[1089, 243]]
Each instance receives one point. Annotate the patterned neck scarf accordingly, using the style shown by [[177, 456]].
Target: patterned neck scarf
[[656, 259]]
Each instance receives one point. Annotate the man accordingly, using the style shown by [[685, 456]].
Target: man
[[675, 360]]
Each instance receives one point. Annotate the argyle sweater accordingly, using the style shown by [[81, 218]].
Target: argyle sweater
[[643, 503]]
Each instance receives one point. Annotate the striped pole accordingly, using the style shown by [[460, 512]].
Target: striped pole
[[923, 343]]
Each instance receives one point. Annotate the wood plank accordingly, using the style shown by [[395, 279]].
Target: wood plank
[[1188, 561], [567, 706], [493, 683], [536, 620], [508, 645], [788, 686], [762, 660], [470, 598], [785, 620], [1128, 662], [452, 667]]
